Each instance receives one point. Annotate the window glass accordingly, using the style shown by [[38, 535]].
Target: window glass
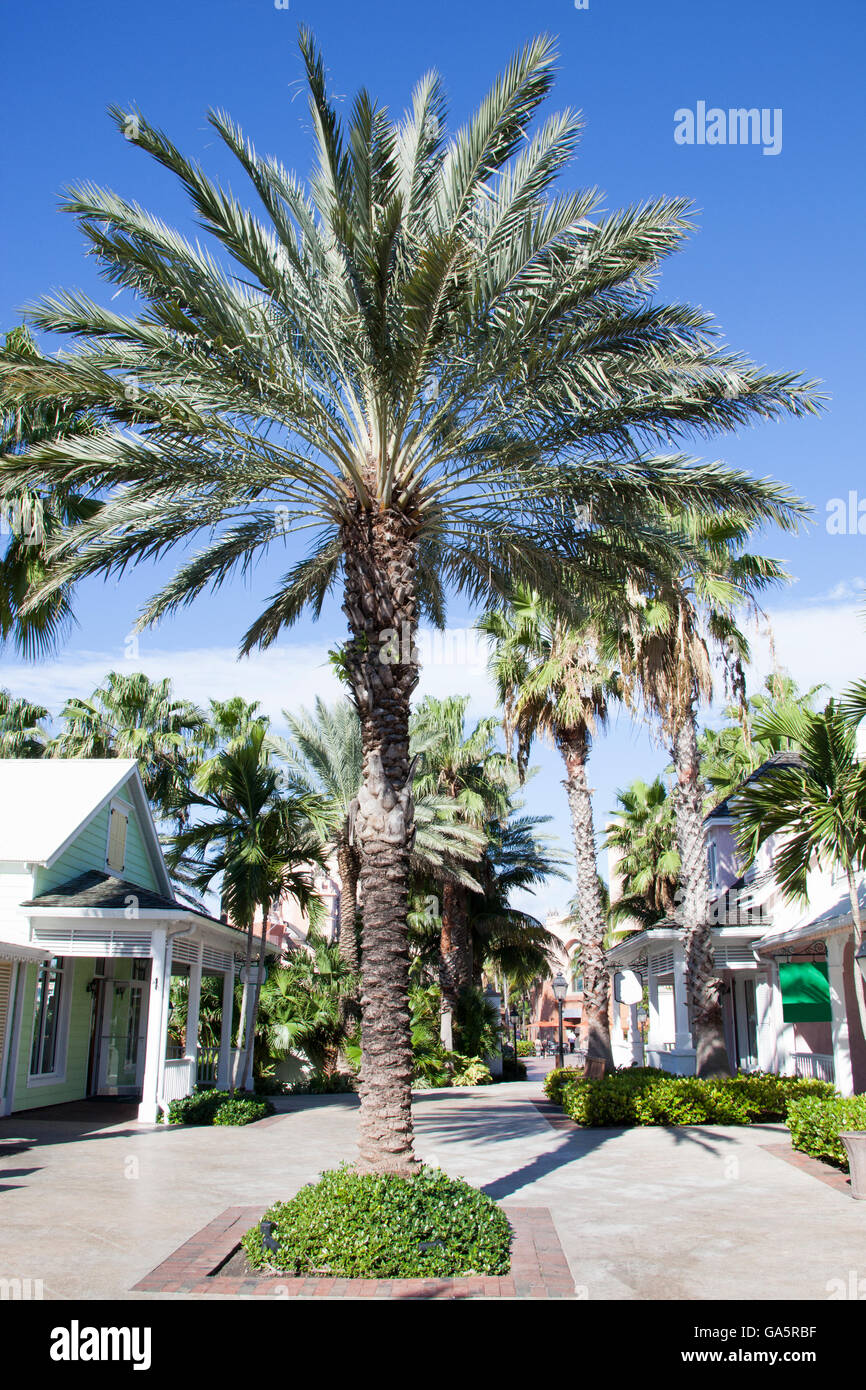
[[46, 1022]]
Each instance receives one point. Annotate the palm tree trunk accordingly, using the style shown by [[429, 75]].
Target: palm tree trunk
[[574, 747], [703, 988], [347, 863], [380, 604], [249, 1080], [455, 946]]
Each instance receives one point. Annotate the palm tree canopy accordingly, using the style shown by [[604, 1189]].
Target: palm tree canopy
[[643, 835], [22, 727], [428, 329], [816, 805]]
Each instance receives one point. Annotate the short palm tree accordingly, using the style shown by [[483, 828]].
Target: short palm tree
[[732, 753], [643, 836], [261, 838], [815, 808], [435, 368], [554, 682], [302, 1005]]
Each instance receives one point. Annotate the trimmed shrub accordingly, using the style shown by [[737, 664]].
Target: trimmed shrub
[[815, 1123], [525, 1048], [374, 1226], [218, 1108], [648, 1096], [335, 1083], [469, 1071]]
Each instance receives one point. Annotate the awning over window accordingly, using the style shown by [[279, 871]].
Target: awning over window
[[805, 992]]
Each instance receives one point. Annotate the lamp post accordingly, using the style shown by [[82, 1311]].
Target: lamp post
[[560, 990], [514, 1016]]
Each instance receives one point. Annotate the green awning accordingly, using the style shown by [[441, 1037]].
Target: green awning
[[805, 992]]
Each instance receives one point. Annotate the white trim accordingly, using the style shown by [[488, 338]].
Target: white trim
[[58, 1076]]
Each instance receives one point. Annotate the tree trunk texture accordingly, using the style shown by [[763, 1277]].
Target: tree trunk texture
[[455, 946], [595, 1024], [702, 985], [347, 864], [380, 563]]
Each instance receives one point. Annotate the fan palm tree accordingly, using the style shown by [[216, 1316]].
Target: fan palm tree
[[469, 770], [665, 645], [643, 835], [130, 716], [816, 807], [553, 681], [507, 941], [22, 727], [261, 837], [436, 368]]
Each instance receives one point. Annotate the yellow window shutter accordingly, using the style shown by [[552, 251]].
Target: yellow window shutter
[[117, 840]]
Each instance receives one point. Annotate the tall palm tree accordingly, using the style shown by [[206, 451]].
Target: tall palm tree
[[816, 807], [22, 727], [261, 838], [302, 1005], [131, 716], [508, 941], [665, 644], [643, 834], [553, 681], [437, 369]]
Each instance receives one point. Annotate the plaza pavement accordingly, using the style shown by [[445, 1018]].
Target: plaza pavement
[[654, 1213]]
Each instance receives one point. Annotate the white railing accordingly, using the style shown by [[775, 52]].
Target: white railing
[[207, 1066], [179, 1079], [814, 1066]]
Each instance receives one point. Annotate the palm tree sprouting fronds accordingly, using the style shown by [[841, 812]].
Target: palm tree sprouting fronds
[[23, 732], [428, 369], [643, 836]]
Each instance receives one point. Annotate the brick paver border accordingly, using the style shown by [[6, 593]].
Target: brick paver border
[[833, 1177], [539, 1268]]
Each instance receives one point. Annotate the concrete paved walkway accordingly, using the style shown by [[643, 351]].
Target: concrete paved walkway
[[644, 1213]]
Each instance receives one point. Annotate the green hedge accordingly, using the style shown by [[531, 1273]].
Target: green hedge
[[648, 1096], [376, 1226], [525, 1048], [218, 1108], [815, 1123]]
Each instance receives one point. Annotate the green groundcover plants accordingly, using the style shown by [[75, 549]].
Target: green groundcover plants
[[525, 1048], [371, 1225], [815, 1122], [648, 1096], [218, 1108]]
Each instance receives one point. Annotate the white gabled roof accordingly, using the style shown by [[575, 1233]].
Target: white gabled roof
[[45, 801]]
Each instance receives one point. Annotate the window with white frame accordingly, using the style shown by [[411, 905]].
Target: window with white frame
[[45, 1050], [115, 857]]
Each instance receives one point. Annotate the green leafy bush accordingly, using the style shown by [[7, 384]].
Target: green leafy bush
[[367, 1225], [525, 1048], [649, 1096], [815, 1122], [513, 1069], [469, 1071], [218, 1108]]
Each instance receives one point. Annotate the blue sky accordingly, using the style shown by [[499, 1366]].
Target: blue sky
[[777, 256]]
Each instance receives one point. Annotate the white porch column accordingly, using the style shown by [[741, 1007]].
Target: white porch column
[[225, 1052], [682, 1030], [768, 1054], [190, 1036], [785, 1042], [634, 1038], [654, 1034], [9, 1060], [839, 1014], [157, 1024]]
